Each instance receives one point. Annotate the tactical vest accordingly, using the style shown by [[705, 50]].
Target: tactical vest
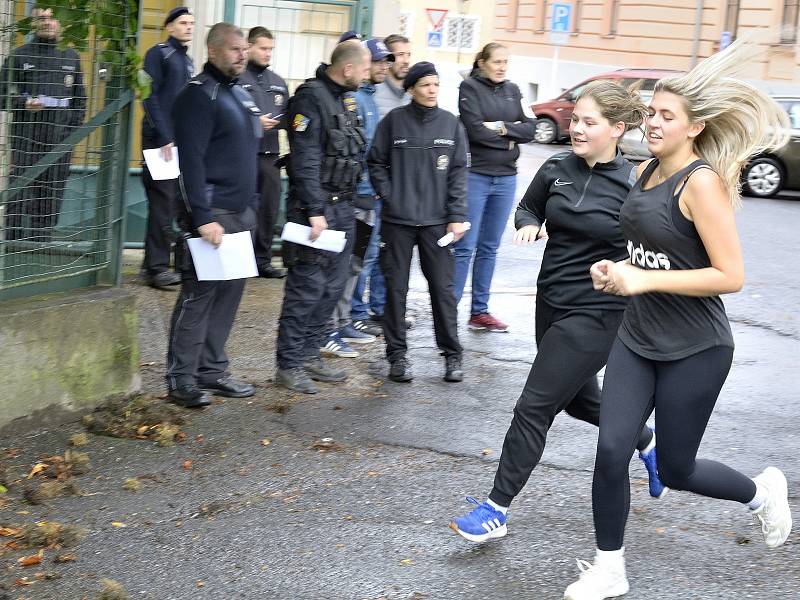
[[343, 153]]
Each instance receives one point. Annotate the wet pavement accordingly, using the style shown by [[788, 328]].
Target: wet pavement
[[265, 509]]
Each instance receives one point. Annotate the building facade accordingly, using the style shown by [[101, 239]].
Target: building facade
[[664, 34]]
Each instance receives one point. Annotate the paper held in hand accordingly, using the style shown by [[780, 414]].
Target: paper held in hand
[[330, 239], [233, 259], [159, 168]]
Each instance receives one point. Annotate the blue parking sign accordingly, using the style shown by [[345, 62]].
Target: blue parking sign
[[562, 14], [434, 39]]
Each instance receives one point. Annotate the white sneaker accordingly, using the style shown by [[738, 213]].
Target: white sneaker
[[774, 516], [598, 581]]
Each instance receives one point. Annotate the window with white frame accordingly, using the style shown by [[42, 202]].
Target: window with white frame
[[461, 32], [406, 27]]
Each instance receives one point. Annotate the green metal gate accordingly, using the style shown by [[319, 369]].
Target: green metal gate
[[64, 150]]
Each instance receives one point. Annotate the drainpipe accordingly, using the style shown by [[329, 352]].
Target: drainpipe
[[698, 26], [229, 12]]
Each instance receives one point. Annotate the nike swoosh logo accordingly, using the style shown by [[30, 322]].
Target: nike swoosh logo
[[559, 182]]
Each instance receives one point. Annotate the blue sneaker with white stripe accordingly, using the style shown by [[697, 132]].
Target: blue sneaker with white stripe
[[657, 489], [482, 523]]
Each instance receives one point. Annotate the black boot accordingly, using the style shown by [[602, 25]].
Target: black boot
[[400, 370], [452, 369], [189, 396]]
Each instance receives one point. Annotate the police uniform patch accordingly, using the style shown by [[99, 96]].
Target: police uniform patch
[[350, 103], [300, 122], [69, 80], [278, 100], [442, 162]]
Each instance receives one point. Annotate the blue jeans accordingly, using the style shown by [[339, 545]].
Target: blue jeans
[[370, 271], [490, 200]]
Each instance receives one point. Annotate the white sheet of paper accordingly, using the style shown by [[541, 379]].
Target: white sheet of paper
[[159, 168], [330, 239], [234, 259]]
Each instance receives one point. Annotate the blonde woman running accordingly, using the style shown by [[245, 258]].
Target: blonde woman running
[[674, 347]]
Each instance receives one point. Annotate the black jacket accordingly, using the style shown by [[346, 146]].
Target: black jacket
[[170, 67], [581, 207], [418, 166], [38, 69], [307, 127], [481, 100], [271, 94], [217, 132]]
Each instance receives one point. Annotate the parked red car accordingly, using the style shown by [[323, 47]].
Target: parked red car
[[554, 115]]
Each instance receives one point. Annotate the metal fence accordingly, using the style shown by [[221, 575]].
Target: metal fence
[[63, 143]]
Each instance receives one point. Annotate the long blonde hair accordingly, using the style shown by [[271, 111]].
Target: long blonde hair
[[740, 120]]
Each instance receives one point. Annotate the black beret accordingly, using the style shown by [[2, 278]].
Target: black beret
[[176, 12], [417, 72]]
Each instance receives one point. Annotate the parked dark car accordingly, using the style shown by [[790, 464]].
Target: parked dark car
[[766, 174], [554, 115]]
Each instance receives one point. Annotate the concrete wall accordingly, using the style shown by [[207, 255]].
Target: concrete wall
[[67, 351]]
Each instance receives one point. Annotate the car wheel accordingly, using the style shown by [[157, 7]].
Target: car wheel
[[546, 131], [763, 177]]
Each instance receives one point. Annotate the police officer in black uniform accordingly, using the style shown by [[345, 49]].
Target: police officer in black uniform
[[43, 88], [212, 115], [418, 166], [270, 93], [327, 145], [169, 66]]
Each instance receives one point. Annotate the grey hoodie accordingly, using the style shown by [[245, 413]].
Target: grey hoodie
[[387, 97]]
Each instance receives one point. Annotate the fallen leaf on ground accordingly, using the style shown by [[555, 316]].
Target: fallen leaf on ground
[[63, 558], [372, 473], [118, 524], [33, 559], [38, 468], [406, 562], [659, 530], [201, 583], [9, 532], [265, 442], [187, 464], [23, 581], [79, 439], [487, 451], [3, 489]]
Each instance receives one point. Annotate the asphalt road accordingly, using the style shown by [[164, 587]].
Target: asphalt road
[[367, 519]]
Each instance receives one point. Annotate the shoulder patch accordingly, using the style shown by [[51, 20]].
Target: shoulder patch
[[349, 103], [300, 123]]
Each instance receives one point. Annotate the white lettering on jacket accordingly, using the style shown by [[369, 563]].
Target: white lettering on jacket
[[444, 142], [647, 259]]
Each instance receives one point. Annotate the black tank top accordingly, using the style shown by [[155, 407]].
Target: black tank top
[[662, 326]]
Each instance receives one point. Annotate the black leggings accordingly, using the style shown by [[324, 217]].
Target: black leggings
[[683, 393], [573, 345]]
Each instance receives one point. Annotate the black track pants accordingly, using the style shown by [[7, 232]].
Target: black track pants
[[573, 345], [438, 267], [683, 394]]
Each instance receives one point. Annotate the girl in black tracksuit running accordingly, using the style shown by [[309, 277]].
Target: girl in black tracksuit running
[[579, 193], [674, 346]]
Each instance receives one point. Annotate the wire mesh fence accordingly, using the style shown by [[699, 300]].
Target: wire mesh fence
[[62, 141]]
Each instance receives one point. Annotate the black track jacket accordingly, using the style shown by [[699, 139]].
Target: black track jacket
[[581, 207], [418, 166]]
